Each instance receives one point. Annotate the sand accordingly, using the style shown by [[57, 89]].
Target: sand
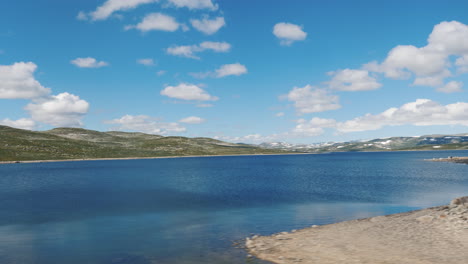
[[433, 235], [453, 159]]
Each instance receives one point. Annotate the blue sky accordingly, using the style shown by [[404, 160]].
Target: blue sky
[[242, 71]]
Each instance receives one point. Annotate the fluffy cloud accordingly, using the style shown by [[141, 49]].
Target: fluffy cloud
[[208, 26], [231, 69], [353, 80], [145, 124], [422, 112], [194, 4], [110, 6], [192, 120], [236, 69], [451, 87], [23, 123], [185, 91], [146, 62], [17, 82], [311, 100], [288, 33], [88, 62], [59, 110], [462, 64], [430, 65], [156, 21], [314, 127], [191, 50]]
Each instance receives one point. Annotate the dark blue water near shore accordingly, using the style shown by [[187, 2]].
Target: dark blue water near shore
[[190, 210]]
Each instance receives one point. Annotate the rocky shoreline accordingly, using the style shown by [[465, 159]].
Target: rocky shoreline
[[432, 235], [463, 160]]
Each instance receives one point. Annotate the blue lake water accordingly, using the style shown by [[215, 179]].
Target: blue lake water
[[190, 210]]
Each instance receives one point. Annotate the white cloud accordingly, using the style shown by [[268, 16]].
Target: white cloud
[[314, 127], [231, 69], [208, 26], [422, 112], [462, 64], [431, 64], [161, 73], [204, 105], [192, 120], [17, 82], [288, 33], [312, 100], [189, 51], [110, 6], [195, 4], [236, 69], [353, 80], [145, 124], [23, 123], [185, 91], [280, 114], [451, 87], [59, 110], [156, 21], [146, 62], [215, 46], [88, 62]]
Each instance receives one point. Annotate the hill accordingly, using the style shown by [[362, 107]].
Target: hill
[[78, 143], [430, 142]]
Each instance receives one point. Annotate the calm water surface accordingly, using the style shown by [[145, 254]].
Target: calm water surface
[[191, 210]]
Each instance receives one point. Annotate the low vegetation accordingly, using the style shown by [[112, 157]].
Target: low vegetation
[[77, 143]]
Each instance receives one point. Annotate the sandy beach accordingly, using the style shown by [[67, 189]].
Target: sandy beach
[[433, 235]]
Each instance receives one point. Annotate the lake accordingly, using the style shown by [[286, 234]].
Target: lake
[[191, 210]]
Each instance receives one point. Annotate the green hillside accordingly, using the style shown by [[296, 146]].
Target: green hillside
[[77, 143]]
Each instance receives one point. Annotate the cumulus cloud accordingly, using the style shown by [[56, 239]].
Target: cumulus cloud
[[312, 100], [194, 4], [59, 110], [156, 21], [111, 6], [23, 123], [236, 69], [451, 87], [186, 91], [189, 51], [192, 120], [88, 62], [430, 64], [17, 82], [353, 80], [462, 64], [422, 112], [146, 62], [288, 33], [314, 127], [208, 26], [231, 69], [145, 124]]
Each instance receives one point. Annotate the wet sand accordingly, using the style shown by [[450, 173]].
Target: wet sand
[[433, 235]]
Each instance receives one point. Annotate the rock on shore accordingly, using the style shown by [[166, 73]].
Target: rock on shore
[[433, 235]]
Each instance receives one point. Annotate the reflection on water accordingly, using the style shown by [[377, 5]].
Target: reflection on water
[[192, 210]]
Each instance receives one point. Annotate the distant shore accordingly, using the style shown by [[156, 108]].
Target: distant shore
[[433, 235], [149, 158], [452, 159]]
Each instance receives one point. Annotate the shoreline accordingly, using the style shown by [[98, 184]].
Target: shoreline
[[148, 158], [432, 235], [463, 160]]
